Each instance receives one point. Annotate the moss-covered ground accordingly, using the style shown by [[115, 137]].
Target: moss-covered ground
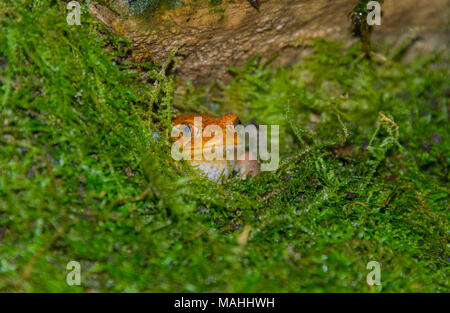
[[363, 173]]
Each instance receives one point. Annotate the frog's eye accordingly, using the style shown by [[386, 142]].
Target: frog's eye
[[182, 130], [185, 128]]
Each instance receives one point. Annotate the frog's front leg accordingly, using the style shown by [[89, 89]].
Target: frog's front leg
[[246, 165]]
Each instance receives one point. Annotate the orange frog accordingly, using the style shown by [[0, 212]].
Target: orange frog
[[204, 140]]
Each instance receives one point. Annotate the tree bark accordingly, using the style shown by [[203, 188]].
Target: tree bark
[[212, 40]]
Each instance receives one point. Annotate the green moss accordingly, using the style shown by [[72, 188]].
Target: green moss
[[360, 27], [149, 7], [82, 178]]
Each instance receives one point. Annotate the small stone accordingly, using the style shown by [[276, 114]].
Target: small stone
[[352, 196], [426, 146], [314, 118], [436, 138]]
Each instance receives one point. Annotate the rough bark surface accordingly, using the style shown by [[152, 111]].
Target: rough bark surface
[[210, 41]]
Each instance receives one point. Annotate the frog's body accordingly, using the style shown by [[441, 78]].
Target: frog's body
[[244, 165]]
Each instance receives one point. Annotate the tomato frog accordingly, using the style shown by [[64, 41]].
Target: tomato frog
[[210, 148]]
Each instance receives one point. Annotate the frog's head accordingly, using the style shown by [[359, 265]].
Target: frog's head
[[201, 132], [207, 133]]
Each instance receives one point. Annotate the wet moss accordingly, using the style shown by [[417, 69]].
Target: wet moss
[[360, 27], [142, 7], [149, 7]]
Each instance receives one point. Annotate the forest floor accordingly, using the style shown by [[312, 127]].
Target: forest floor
[[363, 174]]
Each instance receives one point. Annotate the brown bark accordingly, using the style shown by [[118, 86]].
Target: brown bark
[[211, 41]]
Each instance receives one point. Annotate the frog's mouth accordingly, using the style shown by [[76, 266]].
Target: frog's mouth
[[213, 149], [198, 145]]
